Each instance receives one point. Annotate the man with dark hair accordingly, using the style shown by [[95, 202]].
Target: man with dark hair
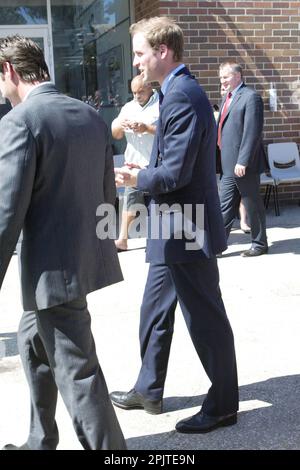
[[181, 173], [240, 127], [53, 148]]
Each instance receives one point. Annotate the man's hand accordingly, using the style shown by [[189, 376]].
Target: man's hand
[[133, 165], [239, 170], [125, 124], [138, 127], [126, 176]]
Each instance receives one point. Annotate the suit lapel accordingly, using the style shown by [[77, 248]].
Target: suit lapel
[[155, 149], [236, 98], [234, 101]]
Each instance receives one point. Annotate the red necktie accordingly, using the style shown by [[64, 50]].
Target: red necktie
[[223, 114]]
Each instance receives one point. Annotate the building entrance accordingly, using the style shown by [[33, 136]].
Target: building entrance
[[38, 33]]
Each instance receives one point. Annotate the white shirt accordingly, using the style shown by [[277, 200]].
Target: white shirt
[[233, 93], [139, 145], [236, 90]]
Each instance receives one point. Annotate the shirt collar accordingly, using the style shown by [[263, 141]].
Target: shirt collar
[[33, 88], [169, 78], [152, 98], [233, 93]]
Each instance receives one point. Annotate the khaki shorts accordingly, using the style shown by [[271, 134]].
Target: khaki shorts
[[132, 196]]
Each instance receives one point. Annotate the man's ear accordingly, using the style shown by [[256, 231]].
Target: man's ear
[[163, 49], [8, 68]]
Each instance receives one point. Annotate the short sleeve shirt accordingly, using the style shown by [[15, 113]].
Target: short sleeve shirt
[[139, 146]]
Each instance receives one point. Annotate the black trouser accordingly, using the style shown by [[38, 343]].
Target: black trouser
[[232, 189]]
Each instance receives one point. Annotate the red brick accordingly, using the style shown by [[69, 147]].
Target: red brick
[[281, 4], [242, 30], [198, 11]]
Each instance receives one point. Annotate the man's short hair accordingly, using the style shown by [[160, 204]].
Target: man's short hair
[[235, 66], [26, 57], [161, 30], [139, 81]]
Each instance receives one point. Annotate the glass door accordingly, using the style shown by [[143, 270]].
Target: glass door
[[39, 34]]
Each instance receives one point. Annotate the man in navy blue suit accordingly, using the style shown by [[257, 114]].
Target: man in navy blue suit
[[181, 176]]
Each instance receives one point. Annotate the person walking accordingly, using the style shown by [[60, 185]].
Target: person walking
[[240, 127], [242, 210], [56, 168], [181, 171], [137, 122]]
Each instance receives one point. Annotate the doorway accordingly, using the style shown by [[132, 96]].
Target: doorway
[[39, 34]]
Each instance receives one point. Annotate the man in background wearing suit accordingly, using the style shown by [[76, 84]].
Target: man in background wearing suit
[[52, 149], [181, 171], [242, 155]]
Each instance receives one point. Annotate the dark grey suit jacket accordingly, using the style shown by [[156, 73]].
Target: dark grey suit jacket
[[242, 133], [56, 167]]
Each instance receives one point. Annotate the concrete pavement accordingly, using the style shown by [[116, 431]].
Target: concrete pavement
[[262, 298]]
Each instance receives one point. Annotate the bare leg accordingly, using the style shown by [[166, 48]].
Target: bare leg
[[243, 217], [127, 218]]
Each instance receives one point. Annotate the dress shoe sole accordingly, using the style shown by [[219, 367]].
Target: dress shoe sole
[[230, 421], [151, 411], [246, 254], [14, 447]]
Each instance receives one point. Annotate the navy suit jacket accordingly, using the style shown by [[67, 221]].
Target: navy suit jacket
[[242, 133], [182, 171]]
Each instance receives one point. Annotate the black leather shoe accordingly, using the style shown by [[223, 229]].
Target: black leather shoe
[[133, 400], [254, 252], [201, 423], [13, 447]]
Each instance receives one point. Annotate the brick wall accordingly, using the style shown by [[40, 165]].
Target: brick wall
[[262, 35], [146, 8]]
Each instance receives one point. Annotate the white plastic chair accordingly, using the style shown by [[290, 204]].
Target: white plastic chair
[[284, 164]]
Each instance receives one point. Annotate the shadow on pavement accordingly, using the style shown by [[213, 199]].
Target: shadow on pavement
[[8, 345], [270, 420]]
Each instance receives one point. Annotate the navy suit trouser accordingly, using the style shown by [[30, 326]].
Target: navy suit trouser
[[232, 189], [196, 286]]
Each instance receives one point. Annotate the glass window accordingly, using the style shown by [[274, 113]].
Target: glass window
[[19, 12], [92, 53]]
